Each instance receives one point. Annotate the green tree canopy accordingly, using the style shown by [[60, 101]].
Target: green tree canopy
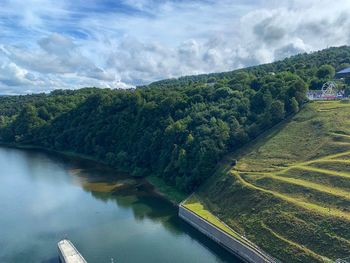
[[326, 72]]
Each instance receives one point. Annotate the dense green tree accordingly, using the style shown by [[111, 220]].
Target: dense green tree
[[277, 111], [347, 81], [326, 72], [294, 106], [177, 129]]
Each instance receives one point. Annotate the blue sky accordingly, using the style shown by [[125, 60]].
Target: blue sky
[[46, 45]]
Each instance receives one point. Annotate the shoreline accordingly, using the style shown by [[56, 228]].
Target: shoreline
[[159, 186]]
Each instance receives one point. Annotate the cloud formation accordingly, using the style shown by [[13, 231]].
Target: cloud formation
[[47, 45]]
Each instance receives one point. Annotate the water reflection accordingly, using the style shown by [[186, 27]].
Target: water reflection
[[136, 194], [107, 214]]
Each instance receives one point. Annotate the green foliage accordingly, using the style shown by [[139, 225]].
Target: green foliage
[[347, 81], [326, 72], [277, 111], [177, 129], [294, 106], [289, 190]]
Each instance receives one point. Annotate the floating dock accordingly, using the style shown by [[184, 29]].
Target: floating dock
[[68, 253]]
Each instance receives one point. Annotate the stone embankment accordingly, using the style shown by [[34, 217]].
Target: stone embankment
[[246, 251]]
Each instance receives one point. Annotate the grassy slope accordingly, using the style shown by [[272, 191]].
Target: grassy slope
[[194, 204], [172, 194], [289, 192]]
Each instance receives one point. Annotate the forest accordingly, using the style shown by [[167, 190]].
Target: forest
[[176, 129]]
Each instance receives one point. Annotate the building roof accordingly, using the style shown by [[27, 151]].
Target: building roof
[[343, 72]]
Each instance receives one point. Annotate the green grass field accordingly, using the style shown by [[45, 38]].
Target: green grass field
[[194, 204], [290, 190]]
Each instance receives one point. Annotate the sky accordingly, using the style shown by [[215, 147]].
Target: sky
[[66, 44]]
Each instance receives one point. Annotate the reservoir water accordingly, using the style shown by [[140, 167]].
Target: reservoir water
[[46, 197]]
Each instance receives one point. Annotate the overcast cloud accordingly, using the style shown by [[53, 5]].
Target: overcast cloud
[[46, 45]]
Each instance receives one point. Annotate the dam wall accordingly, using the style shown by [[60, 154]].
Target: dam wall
[[246, 251]]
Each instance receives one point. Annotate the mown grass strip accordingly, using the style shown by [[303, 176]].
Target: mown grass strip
[[194, 205], [341, 143], [300, 247], [332, 156], [307, 184], [344, 161], [309, 206], [328, 157], [324, 171], [340, 135]]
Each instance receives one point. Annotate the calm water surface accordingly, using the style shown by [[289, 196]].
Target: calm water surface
[[44, 198]]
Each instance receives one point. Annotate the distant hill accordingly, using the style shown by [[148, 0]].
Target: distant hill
[[177, 130], [290, 189], [304, 65], [288, 192]]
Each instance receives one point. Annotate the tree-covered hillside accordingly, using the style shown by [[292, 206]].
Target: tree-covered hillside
[[289, 190], [306, 66], [176, 129]]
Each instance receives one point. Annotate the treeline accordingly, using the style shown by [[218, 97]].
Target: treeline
[[48, 106], [176, 129], [306, 66]]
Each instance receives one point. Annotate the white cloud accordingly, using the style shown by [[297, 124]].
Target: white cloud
[[88, 43], [12, 75]]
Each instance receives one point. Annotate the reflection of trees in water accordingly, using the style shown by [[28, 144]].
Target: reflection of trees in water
[[136, 196], [139, 196], [51, 260], [144, 204], [222, 253]]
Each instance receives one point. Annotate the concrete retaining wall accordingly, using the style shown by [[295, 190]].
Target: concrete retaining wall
[[245, 252]]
